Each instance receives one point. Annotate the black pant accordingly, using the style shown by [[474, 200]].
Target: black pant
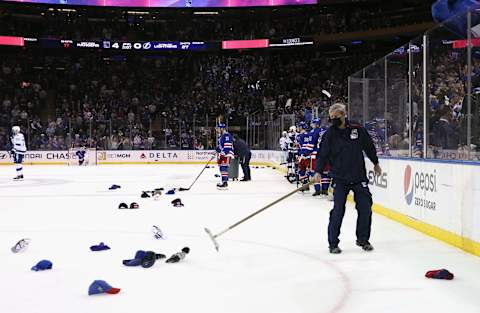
[[363, 205], [245, 163]]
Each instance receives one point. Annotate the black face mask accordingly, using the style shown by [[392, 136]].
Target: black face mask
[[336, 122]]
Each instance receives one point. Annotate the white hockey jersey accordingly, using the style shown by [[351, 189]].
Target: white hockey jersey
[[284, 141], [18, 143]]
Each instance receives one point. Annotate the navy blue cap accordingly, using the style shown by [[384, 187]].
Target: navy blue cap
[[100, 247], [42, 265], [137, 260]]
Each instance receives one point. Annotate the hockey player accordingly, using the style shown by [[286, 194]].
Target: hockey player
[[315, 135], [18, 151], [81, 156], [292, 154], [283, 142], [306, 145], [321, 186], [225, 153]]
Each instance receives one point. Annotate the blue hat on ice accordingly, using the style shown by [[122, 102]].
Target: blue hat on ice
[[101, 286], [42, 265], [100, 247], [171, 192], [137, 260]]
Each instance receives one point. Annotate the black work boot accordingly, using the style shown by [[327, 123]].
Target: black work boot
[[365, 245]]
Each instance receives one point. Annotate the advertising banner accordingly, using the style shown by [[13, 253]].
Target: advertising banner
[[444, 195], [138, 156]]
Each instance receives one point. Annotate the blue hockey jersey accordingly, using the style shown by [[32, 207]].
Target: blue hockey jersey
[[225, 145], [81, 154], [306, 143], [317, 134]]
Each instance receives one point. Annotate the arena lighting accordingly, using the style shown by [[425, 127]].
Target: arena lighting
[[245, 44], [62, 10], [174, 3], [11, 41], [205, 13], [137, 13]]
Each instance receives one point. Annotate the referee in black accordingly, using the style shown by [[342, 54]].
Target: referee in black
[[244, 155], [342, 147]]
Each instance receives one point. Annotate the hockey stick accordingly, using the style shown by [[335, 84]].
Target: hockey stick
[[186, 189], [214, 237]]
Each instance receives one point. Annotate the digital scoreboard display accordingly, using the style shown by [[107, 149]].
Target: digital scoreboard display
[[172, 3]]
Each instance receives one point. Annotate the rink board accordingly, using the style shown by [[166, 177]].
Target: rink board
[[438, 198], [137, 157]]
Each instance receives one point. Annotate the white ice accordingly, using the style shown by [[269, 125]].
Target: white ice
[[277, 262]]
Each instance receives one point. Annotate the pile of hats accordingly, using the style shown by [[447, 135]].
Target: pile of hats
[[146, 259], [154, 193], [133, 205]]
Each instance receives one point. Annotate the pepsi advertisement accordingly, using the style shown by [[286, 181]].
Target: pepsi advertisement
[[173, 3]]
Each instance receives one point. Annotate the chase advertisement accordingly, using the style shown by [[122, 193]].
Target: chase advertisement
[[173, 3]]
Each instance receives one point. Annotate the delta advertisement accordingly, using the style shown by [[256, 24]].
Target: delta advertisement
[[446, 195]]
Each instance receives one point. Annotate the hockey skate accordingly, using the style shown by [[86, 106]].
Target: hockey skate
[[317, 193], [222, 186], [305, 187], [19, 177]]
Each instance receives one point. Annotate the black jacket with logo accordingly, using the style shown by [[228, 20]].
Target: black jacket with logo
[[240, 147], [343, 150]]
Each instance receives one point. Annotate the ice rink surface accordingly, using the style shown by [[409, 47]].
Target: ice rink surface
[[277, 262]]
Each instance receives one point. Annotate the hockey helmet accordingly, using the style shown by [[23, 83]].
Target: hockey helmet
[[316, 122], [302, 125], [16, 129]]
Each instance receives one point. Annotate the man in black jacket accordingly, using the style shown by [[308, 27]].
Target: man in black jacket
[[244, 155], [342, 147]]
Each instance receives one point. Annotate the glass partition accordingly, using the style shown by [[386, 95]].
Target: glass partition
[[446, 87], [397, 113], [422, 100], [375, 109]]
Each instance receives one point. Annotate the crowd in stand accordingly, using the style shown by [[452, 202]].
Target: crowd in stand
[[172, 100], [146, 102]]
